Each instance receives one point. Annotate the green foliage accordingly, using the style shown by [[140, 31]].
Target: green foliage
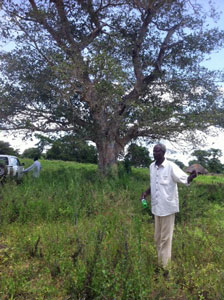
[[69, 148], [202, 157], [43, 142], [6, 149], [72, 234], [31, 153], [138, 156], [209, 160]]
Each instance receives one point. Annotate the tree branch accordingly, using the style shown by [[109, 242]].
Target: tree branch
[[165, 45], [74, 52], [65, 25], [41, 20], [142, 83], [137, 47]]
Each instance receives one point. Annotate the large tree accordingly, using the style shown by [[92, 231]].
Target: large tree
[[109, 71]]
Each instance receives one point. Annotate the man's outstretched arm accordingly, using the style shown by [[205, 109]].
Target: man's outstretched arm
[[192, 176]]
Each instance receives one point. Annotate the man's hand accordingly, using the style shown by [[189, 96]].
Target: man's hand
[[192, 176], [145, 194]]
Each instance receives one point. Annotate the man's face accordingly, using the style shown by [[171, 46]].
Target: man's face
[[158, 153]]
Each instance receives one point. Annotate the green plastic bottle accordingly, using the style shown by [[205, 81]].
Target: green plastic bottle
[[144, 203]]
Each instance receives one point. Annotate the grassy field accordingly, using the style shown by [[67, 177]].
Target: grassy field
[[73, 235]]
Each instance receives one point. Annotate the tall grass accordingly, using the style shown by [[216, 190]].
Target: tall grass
[[72, 234]]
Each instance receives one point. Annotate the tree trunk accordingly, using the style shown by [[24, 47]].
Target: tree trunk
[[108, 151]]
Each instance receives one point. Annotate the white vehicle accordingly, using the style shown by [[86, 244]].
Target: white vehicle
[[10, 166]]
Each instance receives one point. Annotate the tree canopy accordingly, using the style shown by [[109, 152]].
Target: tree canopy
[[109, 71], [32, 153], [68, 148], [138, 156]]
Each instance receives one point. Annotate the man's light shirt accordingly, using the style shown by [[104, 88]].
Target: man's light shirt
[[164, 190]]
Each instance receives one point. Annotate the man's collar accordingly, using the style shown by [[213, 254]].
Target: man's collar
[[163, 164]]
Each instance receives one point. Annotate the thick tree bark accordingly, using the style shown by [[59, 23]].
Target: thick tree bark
[[108, 151]]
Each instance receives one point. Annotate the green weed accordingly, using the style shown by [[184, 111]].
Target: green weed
[[72, 234]]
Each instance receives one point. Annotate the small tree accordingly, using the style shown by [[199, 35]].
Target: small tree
[[202, 158], [214, 164], [32, 153], [68, 148], [209, 159], [138, 156]]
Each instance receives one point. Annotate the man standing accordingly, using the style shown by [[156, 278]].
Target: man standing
[[36, 167], [164, 176]]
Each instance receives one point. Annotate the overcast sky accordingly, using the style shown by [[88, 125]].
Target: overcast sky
[[213, 62]]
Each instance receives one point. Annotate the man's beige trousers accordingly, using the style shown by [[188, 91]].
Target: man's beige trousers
[[163, 237]]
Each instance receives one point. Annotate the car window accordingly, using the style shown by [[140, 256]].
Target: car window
[[5, 159], [15, 161]]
